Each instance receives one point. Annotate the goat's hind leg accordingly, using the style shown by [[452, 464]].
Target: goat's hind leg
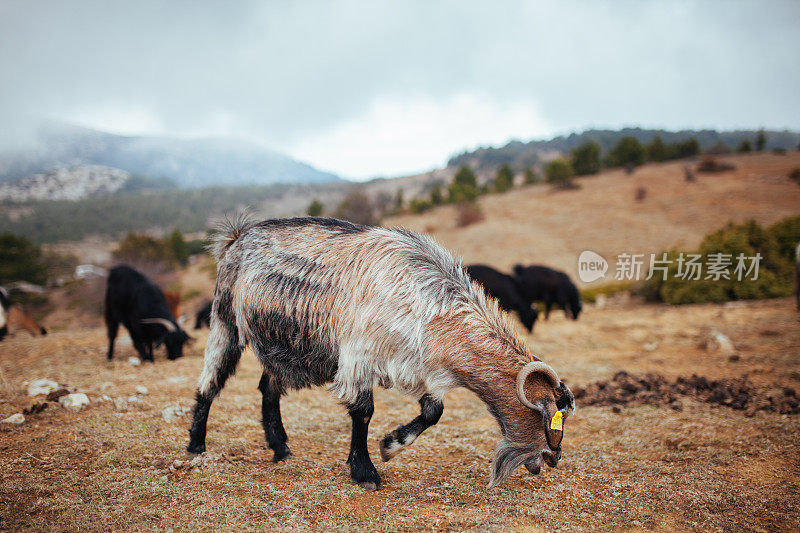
[[394, 442], [274, 432], [222, 355]]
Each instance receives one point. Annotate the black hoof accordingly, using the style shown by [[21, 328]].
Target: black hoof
[[196, 448], [366, 476], [282, 454]]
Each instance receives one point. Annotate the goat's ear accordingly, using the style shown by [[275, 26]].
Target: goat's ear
[[519, 269]]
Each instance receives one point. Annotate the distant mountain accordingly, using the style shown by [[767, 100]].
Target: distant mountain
[[188, 163], [521, 155]]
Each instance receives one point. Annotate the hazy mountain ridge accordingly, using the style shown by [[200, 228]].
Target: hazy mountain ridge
[[521, 155], [189, 163]]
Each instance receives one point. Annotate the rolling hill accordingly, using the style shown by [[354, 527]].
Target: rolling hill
[[188, 163], [521, 155]]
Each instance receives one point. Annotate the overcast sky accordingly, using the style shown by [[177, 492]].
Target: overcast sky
[[389, 88]]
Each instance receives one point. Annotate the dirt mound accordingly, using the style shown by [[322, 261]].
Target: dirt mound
[[655, 389]]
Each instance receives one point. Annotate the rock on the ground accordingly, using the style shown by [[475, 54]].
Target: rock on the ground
[[74, 402], [723, 343], [141, 389], [16, 419], [171, 412], [42, 386], [134, 361], [120, 404]]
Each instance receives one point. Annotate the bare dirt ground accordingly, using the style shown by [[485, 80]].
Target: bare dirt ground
[[704, 467]]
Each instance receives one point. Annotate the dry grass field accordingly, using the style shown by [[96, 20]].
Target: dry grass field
[[703, 468], [637, 467]]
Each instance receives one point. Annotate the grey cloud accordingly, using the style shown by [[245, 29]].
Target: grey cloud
[[284, 70]]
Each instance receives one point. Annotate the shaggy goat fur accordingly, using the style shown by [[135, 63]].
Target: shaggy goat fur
[[322, 300]]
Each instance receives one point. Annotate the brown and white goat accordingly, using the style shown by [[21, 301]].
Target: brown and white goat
[[322, 300]]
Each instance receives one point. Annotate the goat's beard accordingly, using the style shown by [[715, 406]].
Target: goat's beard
[[507, 457]]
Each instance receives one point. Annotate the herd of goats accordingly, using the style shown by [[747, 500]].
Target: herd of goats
[[323, 301]]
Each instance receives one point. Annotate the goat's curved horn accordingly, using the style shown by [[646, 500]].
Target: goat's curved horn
[[171, 328], [534, 366]]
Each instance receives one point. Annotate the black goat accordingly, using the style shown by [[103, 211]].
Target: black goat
[[506, 290], [4, 306], [140, 306], [203, 316], [542, 284]]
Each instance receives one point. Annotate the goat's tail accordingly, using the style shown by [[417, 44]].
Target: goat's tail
[[227, 231]]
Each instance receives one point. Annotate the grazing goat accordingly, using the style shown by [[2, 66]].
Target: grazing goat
[[19, 319], [203, 316], [4, 305], [321, 300], [505, 289], [797, 275], [139, 305], [543, 284]]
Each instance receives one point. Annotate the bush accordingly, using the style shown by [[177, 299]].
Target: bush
[[138, 248], [656, 150], [417, 206], [709, 164], [398, 199], [761, 140], [20, 260], [744, 147], [177, 248], [586, 159], [748, 239], [504, 180], [315, 208], [559, 172], [627, 151], [357, 208], [687, 148], [437, 198], [530, 176], [464, 187], [787, 235], [197, 246]]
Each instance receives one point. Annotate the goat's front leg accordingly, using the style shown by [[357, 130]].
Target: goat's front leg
[[394, 442], [361, 468]]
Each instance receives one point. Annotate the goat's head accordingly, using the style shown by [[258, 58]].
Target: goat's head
[[173, 338], [533, 423], [528, 317]]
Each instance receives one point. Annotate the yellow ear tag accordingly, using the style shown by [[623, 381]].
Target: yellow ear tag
[[557, 421]]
